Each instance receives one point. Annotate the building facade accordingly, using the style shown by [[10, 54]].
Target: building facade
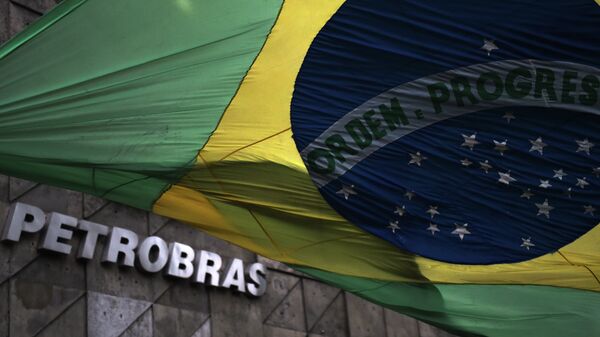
[[46, 294]]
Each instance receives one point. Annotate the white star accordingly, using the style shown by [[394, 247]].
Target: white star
[[508, 116], [527, 194], [347, 191], [589, 209], [400, 210], [505, 178], [544, 208], [485, 165], [433, 211], [584, 146], [466, 162], [416, 158], [433, 228], [537, 145], [461, 230], [581, 182], [394, 226], [545, 183], [596, 171], [470, 141], [489, 46], [500, 146], [559, 174], [527, 243], [409, 194]]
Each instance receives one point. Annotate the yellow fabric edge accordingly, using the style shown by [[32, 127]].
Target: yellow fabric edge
[[268, 89]]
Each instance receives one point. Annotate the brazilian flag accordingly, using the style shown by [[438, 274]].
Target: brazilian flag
[[440, 158]]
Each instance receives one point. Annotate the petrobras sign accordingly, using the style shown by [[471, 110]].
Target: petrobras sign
[[123, 247]]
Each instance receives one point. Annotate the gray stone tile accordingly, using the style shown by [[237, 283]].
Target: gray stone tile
[[72, 321], [5, 247], [3, 179], [111, 279], [22, 253], [272, 331], [317, 297], [333, 322], [110, 316], [173, 321], [399, 325], [142, 327], [4, 305], [289, 313], [427, 330], [185, 295], [177, 232], [54, 199], [92, 204], [56, 270], [4, 29], [18, 187], [122, 216], [365, 319], [204, 330], [278, 287], [156, 222], [34, 305], [41, 6], [234, 314]]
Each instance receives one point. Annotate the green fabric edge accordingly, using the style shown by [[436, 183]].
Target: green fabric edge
[[482, 310], [141, 181]]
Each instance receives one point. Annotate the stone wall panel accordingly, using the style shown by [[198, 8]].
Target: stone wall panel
[[365, 319], [5, 249], [72, 321], [4, 180], [40, 6], [18, 187], [278, 287], [398, 325], [4, 29], [333, 322], [173, 321], [289, 313], [317, 298], [142, 327], [36, 304], [272, 331], [110, 316], [234, 314], [4, 305]]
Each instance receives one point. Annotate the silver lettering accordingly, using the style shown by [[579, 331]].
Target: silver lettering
[[181, 257], [145, 250], [23, 218], [57, 229], [121, 241], [92, 232], [208, 263], [235, 276], [258, 275]]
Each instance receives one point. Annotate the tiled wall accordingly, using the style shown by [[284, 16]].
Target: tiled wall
[[44, 294]]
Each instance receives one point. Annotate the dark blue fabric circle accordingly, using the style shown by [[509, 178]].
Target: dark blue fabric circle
[[369, 47]]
